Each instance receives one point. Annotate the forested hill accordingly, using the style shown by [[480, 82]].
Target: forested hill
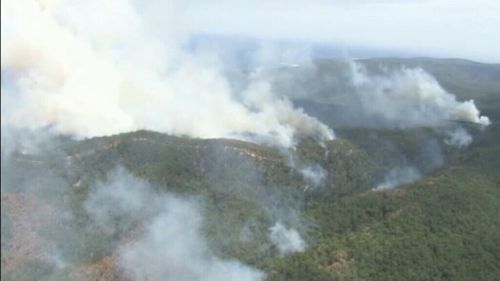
[[441, 227], [376, 203]]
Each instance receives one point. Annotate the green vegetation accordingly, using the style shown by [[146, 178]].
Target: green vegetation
[[444, 226]]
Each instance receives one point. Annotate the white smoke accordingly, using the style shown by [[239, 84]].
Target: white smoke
[[410, 97], [399, 176], [458, 137], [171, 246], [287, 240], [112, 204], [313, 174], [24, 141], [96, 68]]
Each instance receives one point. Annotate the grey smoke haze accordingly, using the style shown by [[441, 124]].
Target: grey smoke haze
[[172, 248], [25, 141], [399, 176], [430, 156], [41, 192], [312, 173], [315, 175], [168, 244], [242, 177], [171, 245], [113, 204], [122, 202], [407, 168], [286, 240], [458, 137]]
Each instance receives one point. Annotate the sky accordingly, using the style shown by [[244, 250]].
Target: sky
[[439, 28]]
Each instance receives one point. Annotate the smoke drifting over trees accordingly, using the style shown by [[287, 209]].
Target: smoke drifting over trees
[[249, 162], [90, 80]]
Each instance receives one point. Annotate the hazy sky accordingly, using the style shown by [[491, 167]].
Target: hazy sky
[[443, 28]]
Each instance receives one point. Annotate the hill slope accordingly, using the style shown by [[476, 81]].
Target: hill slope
[[441, 225]]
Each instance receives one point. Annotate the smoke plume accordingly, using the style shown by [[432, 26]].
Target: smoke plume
[[171, 245], [349, 93], [172, 248], [112, 204], [399, 176], [315, 175], [458, 137], [286, 240], [410, 97], [75, 68]]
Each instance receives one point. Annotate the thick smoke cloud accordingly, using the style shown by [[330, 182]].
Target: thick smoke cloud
[[75, 68], [72, 68]]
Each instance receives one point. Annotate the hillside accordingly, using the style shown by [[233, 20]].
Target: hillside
[[443, 224]]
